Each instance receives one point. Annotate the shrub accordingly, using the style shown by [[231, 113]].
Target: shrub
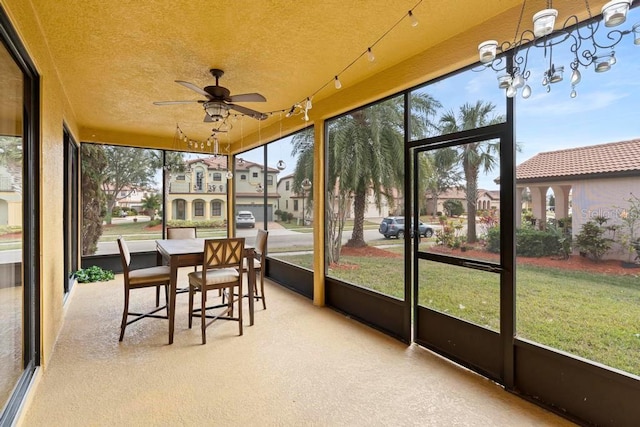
[[197, 224], [453, 207], [530, 242], [94, 274], [591, 239], [450, 235]]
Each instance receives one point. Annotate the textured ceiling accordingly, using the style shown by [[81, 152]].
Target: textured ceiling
[[115, 58]]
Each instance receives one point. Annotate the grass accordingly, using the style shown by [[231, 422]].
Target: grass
[[348, 226], [139, 231], [594, 316]]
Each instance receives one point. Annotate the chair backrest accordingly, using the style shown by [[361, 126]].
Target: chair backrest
[[261, 242], [223, 253], [125, 255], [181, 233]]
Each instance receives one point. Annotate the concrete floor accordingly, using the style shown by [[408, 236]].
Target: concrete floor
[[298, 365]]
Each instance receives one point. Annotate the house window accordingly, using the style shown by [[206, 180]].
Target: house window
[[269, 179], [216, 208], [254, 174], [180, 178], [295, 205], [243, 177], [217, 176], [198, 208], [286, 185], [199, 179], [286, 204]]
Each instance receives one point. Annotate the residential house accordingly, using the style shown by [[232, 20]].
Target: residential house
[[587, 182]]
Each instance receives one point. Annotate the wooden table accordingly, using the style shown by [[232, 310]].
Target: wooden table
[[189, 252]]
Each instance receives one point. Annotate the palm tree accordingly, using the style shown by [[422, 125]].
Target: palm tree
[[474, 156], [366, 158]]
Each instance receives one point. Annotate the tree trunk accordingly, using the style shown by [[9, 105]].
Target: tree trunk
[[111, 202], [335, 216], [472, 193], [357, 236]]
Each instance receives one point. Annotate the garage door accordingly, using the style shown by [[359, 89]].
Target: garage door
[[258, 211]]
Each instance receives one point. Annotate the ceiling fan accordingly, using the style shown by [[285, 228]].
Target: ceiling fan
[[218, 100]]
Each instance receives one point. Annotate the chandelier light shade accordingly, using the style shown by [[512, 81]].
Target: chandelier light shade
[[589, 44], [615, 12], [488, 51], [544, 21]]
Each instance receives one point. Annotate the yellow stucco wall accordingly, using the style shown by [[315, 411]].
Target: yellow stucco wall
[[54, 111]]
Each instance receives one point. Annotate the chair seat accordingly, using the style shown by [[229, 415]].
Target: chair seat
[[256, 264], [152, 274], [214, 277]]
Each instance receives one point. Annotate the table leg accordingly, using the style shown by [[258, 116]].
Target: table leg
[[172, 297], [251, 273]]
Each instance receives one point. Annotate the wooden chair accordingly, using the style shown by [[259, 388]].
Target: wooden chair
[[259, 264], [142, 278], [221, 269], [182, 233]]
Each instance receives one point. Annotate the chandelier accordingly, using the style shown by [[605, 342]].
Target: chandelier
[[585, 49]]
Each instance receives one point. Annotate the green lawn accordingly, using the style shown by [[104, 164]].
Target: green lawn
[[140, 231], [590, 315], [348, 226]]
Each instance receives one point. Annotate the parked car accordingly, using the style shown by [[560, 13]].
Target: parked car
[[245, 219], [393, 226]]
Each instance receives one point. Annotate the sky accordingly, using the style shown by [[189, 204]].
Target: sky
[[605, 109]]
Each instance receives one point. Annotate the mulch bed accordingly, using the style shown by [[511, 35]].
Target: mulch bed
[[575, 262]]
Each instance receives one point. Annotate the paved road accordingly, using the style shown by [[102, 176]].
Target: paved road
[[278, 238]]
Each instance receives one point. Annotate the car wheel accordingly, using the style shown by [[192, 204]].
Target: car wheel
[[428, 233], [400, 235]]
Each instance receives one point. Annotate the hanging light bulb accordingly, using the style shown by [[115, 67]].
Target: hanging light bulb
[[526, 91], [306, 116], [281, 165], [613, 59], [290, 111], [575, 77], [337, 82], [573, 93], [308, 105], [414, 20], [229, 175], [370, 55], [511, 91]]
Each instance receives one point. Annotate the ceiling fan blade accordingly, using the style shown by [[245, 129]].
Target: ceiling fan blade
[[248, 112], [174, 102], [247, 97], [194, 88]]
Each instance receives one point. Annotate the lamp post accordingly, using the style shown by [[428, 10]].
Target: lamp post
[[306, 186]]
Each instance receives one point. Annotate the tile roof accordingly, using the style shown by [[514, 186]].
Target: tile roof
[[623, 156]]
